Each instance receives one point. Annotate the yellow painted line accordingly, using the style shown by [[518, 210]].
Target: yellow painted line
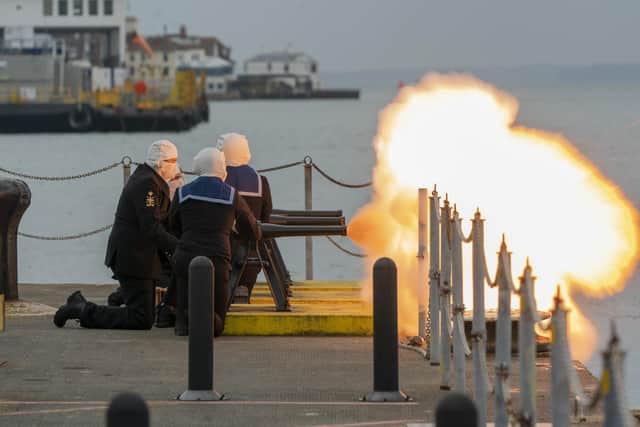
[[296, 300], [303, 319], [309, 324]]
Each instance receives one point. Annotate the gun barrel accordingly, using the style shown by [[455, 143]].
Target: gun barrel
[[274, 230], [305, 220], [287, 212]]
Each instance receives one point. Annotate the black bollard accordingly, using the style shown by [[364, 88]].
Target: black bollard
[[128, 410], [456, 410], [15, 198], [385, 334], [181, 327], [201, 319]]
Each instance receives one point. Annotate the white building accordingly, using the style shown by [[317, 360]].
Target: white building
[[92, 30], [284, 66], [173, 52]]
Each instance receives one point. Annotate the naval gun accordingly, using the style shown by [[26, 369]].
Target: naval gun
[[306, 220], [270, 258], [310, 213]]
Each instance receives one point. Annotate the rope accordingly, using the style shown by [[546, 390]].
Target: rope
[[340, 183], [67, 237], [461, 233], [62, 178], [345, 250]]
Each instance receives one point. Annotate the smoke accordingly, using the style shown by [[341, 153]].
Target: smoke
[[554, 205]]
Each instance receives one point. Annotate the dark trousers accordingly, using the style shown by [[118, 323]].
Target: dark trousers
[[250, 273], [138, 312], [221, 286]]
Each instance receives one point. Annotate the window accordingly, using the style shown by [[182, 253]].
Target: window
[[77, 7], [165, 71], [211, 86], [93, 7], [108, 7], [268, 66], [195, 56], [132, 57], [132, 71], [47, 7], [63, 8], [220, 86], [314, 67], [166, 57], [286, 68]]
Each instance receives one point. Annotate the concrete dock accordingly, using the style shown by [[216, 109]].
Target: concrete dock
[[51, 376]]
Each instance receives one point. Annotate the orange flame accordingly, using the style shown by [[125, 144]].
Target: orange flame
[[554, 205]]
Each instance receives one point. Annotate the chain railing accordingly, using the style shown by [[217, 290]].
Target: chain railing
[[126, 163]]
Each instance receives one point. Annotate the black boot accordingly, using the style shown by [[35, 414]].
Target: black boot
[[116, 299], [241, 296], [165, 316], [74, 307]]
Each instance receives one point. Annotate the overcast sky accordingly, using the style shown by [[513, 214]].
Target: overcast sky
[[345, 35]]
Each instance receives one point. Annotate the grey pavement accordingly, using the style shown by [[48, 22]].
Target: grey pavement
[[66, 377]]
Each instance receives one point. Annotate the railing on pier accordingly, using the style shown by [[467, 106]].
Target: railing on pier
[[126, 162], [444, 324]]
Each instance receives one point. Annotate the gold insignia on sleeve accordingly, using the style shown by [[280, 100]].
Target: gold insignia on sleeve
[[150, 201]]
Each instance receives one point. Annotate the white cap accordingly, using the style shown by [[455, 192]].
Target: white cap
[[210, 162], [159, 151], [235, 147]]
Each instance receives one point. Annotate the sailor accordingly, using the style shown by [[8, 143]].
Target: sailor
[[165, 316], [254, 189], [202, 216], [133, 249]]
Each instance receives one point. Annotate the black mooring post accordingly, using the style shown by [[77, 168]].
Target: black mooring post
[[15, 198], [181, 327], [128, 410], [456, 410], [385, 334], [201, 331]]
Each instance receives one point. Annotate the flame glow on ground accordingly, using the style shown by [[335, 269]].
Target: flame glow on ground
[[554, 206]]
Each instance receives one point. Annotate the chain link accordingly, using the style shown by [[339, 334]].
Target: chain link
[[62, 178], [276, 168], [67, 237], [345, 250], [340, 183]]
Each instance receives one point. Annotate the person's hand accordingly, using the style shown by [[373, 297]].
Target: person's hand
[[175, 183]]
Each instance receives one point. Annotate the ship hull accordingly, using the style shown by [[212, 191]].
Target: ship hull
[[74, 118]]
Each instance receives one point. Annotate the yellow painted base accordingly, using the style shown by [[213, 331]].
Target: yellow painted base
[[317, 308]]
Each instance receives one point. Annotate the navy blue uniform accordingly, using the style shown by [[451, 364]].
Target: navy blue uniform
[[132, 254], [255, 191], [202, 215]]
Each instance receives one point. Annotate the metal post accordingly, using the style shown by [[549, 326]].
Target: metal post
[[201, 320], [456, 410], [527, 349], [616, 410], [422, 261], [308, 205], [460, 348], [478, 328], [128, 410], [503, 335], [434, 278], [126, 169], [2, 313], [560, 382], [445, 296], [385, 334], [15, 198]]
